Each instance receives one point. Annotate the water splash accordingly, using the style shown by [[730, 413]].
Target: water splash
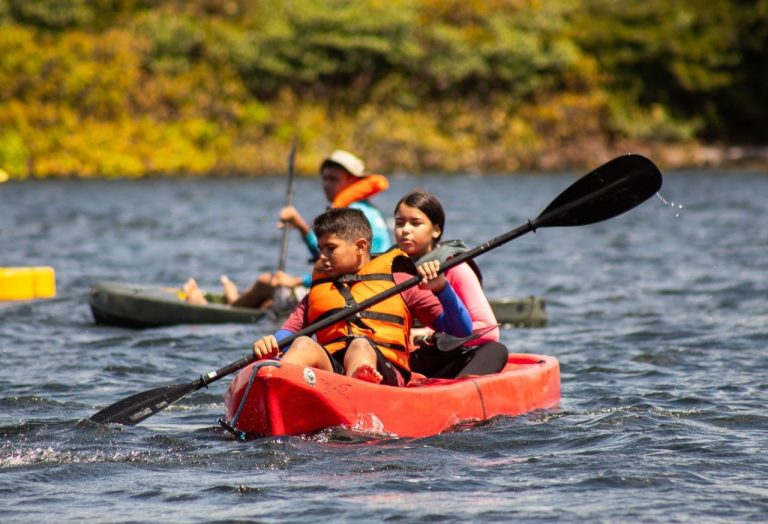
[[13, 456], [670, 204]]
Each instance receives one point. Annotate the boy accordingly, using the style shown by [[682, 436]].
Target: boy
[[371, 345]]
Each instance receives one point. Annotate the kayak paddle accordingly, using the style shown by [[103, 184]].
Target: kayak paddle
[[281, 298], [613, 188]]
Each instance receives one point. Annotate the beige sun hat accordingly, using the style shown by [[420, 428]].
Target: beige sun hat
[[347, 160]]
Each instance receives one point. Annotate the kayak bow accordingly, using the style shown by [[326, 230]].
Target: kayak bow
[[271, 398]]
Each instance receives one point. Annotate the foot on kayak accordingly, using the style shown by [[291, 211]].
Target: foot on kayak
[[368, 374], [193, 292], [230, 289]]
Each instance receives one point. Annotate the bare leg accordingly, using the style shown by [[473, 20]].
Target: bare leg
[[258, 294], [193, 292], [360, 361], [230, 289], [306, 352]]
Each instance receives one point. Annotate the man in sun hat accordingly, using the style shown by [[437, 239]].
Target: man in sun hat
[[345, 184], [346, 160]]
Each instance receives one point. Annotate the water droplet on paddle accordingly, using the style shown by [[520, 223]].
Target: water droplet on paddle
[[673, 205]]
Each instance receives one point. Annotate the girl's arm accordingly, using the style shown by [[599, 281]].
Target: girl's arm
[[467, 286]]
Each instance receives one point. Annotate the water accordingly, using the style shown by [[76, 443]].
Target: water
[[659, 319]]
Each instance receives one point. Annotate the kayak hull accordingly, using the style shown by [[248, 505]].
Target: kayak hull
[[269, 398], [133, 305]]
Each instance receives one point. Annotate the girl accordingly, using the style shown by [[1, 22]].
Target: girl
[[419, 224]]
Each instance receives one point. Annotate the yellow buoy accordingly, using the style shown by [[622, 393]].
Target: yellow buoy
[[26, 283]]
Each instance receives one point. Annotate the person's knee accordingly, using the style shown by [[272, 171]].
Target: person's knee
[[264, 279], [495, 352], [302, 351], [303, 343], [360, 348]]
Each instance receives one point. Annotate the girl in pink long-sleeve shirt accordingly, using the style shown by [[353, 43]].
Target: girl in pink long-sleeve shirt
[[419, 225]]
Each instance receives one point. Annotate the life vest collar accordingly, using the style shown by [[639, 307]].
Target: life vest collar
[[363, 189], [447, 249]]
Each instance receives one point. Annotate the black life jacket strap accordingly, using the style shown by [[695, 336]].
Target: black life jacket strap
[[351, 279], [384, 317], [349, 338]]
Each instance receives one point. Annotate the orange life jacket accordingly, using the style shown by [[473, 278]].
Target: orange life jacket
[[387, 324], [362, 189]]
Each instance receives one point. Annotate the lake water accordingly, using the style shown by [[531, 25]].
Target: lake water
[[659, 319]]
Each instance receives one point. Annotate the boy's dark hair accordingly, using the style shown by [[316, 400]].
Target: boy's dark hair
[[348, 224], [428, 204]]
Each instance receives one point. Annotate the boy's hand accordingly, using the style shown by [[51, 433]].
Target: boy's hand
[[429, 277], [266, 347]]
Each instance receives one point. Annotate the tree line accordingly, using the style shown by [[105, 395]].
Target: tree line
[[141, 87]]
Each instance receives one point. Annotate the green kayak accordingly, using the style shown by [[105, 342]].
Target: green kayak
[[520, 312], [141, 306]]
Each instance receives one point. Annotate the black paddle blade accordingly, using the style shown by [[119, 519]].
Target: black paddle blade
[[610, 190], [132, 410]]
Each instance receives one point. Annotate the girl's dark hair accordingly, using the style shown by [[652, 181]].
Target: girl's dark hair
[[428, 204]]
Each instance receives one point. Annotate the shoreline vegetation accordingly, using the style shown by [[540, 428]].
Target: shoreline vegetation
[[135, 88]]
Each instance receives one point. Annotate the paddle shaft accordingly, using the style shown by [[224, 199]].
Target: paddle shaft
[[544, 220], [531, 225], [611, 189], [288, 202]]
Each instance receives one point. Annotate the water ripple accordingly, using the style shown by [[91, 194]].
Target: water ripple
[[659, 319]]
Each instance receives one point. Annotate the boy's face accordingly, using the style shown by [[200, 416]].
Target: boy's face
[[334, 180], [341, 257]]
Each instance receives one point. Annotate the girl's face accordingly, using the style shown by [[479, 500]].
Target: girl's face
[[414, 231]]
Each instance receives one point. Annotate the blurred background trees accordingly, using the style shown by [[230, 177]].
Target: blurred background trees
[[137, 87]]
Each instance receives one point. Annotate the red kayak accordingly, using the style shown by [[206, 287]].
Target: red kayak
[[270, 398]]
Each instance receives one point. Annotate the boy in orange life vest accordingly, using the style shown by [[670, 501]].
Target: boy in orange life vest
[[371, 345]]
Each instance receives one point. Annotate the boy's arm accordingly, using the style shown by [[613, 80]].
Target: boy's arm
[[293, 324]]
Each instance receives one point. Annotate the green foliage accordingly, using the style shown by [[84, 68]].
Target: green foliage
[[338, 50], [130, 87], [175, 41], [668, 61], [511, 47], [52, 14], [13, 154]]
